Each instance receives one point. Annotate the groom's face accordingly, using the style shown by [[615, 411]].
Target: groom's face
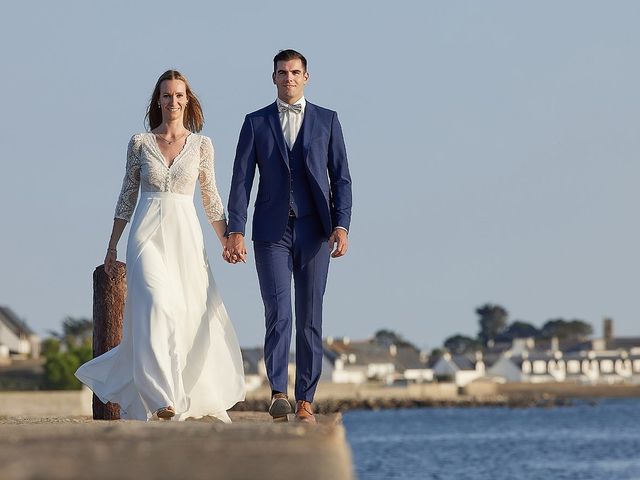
[[290, 78]]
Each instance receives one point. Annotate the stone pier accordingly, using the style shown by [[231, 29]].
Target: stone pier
[[252, 447]]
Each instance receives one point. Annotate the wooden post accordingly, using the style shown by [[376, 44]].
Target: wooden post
[[109, 295]]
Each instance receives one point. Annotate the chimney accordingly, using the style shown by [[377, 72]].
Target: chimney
[[393, 350], [607, 329], [555, 344]]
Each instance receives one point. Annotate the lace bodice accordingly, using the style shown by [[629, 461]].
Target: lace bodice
[[146, 169]]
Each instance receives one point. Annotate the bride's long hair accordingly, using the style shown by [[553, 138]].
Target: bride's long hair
[[193, 117]]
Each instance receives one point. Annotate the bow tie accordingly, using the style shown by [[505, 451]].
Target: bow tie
[[296, 108]]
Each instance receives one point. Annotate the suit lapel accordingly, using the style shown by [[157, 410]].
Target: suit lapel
[[274, 123]]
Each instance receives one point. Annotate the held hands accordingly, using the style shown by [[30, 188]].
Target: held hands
[[338, 242], [234, 249]]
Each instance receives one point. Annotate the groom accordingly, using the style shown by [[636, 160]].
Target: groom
[[302, 215]]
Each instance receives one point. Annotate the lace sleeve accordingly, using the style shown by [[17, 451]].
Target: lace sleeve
[[131, 183], [211, 200]]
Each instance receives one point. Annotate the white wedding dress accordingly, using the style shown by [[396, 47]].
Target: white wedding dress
[[178, 345]]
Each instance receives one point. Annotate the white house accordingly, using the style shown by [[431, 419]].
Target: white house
[[460, 369], [340, 367], [412, 365], [16, 338], [358, 362], [255, 372], [534, 367], [582, 366]]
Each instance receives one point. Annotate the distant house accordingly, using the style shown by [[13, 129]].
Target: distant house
[[507, 368], [255, 372], [339, 367], [583, 367], [347, 361], [460, 369], [16, 338], [527, 366], [606, 360], [606, 366], [358, 362], [412, 365]]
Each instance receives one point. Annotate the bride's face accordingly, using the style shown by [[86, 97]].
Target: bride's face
[[173, 99]]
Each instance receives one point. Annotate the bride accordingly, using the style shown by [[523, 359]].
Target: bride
[[179, 355]]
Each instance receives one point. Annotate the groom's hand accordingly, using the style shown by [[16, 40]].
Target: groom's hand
[[235, 250], [338, 242]]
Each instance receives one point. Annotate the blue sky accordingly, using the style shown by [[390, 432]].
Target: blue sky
[[493, 148]]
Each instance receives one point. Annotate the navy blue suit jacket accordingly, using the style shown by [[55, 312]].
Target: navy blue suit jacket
[[262, 144]]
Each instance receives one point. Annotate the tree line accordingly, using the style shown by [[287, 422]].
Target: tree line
[[495, 328], [65, 352]]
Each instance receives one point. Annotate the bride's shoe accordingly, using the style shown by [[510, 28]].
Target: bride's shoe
[[166, 413]]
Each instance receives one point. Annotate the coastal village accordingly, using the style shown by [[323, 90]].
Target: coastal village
[[388, 360], [378, 373], [605, 360]]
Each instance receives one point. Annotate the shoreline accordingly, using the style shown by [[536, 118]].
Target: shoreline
[[342, 406], [483, 394], [336, 398]]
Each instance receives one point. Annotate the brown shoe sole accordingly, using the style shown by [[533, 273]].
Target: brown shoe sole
[[280, 408], [165, 413]]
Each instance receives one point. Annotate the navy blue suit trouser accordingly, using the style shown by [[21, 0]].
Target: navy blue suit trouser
[[302, 253]]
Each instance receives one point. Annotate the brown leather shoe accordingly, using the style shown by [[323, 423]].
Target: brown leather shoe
[[304, 412], [280, 407]]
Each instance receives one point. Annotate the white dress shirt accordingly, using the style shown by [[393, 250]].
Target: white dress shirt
[[291, 122]]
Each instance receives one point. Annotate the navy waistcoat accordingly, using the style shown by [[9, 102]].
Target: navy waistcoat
[[301, 197]]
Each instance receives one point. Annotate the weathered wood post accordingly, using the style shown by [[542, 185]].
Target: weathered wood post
[[109, 295]]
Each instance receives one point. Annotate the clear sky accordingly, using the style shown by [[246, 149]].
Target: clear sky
[[493, 147]]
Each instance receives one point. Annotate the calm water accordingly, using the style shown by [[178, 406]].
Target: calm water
[[581, 442]]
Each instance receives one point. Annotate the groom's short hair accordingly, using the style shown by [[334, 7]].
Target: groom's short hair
[[286, 55]]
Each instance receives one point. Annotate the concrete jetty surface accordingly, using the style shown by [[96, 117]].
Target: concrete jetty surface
[[252, 447]]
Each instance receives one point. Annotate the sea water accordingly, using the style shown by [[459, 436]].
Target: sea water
[[591, 440]]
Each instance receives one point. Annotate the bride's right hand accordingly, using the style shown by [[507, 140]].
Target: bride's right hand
[[110, 262]]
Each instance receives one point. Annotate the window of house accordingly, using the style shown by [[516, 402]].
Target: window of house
[[539, 366], [573, 366], [606, 366]]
